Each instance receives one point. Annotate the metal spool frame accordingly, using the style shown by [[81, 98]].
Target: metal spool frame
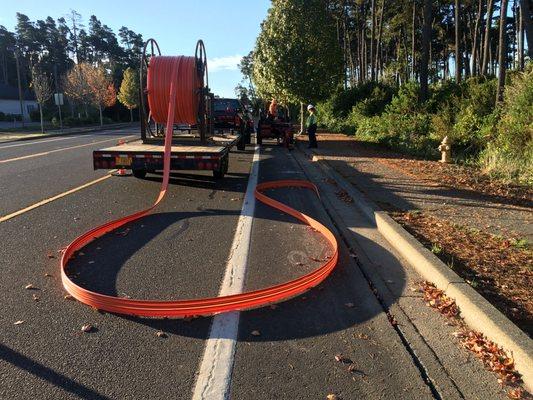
[[156, 132]]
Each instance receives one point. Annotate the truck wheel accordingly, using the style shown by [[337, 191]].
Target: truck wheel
[[139, 173], [241, 145], [222, 169]]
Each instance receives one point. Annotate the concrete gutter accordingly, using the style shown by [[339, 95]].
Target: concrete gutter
[[477, 312], [6, 137]]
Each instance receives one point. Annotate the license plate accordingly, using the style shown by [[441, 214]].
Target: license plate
[[125, 161]]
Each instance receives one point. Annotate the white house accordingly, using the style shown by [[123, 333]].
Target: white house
[[10, 104]]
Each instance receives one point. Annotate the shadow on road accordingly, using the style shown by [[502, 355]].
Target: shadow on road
[[40, 371]]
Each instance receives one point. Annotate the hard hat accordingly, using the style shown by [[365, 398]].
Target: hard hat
[[310, 106]]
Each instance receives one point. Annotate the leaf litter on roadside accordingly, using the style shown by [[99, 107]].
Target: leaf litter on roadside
[[493, 356]]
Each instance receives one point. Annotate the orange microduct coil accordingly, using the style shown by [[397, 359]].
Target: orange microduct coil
[[173, 97]]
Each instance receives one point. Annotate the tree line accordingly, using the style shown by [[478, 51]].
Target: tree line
[[306, 48], [407, 73], [86, 62]]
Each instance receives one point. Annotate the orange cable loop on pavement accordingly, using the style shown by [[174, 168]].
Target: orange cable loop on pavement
[[171, 79]]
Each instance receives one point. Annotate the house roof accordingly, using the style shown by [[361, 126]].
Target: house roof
[[8, 92]]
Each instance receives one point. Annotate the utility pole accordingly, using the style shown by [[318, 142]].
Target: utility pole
[[21, 99], [58, 91]]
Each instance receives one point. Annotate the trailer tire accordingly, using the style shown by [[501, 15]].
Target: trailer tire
[[139, 173], [222, 169], [241, 145]]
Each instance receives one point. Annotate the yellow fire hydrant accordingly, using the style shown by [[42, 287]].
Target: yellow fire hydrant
[[446, 151]]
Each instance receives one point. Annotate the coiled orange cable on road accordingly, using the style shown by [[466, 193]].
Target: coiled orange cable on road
[[173, 85]]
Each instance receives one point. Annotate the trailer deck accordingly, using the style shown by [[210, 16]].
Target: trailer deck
[[186, 154]]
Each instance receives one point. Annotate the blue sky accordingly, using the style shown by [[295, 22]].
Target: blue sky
[[228, 28]]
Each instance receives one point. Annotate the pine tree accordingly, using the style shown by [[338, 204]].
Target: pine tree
[[128, 93]]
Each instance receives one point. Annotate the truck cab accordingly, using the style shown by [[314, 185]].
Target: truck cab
[[228, 115]]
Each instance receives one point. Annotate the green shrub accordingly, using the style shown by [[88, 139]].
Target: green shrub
[[370, 98], [509, 154]]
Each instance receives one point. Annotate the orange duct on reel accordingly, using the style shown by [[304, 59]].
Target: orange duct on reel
[[161, 69], [173, 97]]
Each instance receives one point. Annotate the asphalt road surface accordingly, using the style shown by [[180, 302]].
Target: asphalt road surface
[[182, 251]]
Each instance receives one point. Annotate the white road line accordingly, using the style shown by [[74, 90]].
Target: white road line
[[44, 140], [214, 377], [45, 153]]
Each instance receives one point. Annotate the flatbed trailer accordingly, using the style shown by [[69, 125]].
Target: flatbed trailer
[[186, 154]]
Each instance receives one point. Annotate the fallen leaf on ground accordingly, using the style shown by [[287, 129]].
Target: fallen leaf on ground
[[87, 328], [161, 334], [353, 368], [68, 297], [123, 233], [342, 359], [363, 336], [332, 397], [515, 394], [19, 322], [35, 297], [50, 255], [48, 275], [30, 287]]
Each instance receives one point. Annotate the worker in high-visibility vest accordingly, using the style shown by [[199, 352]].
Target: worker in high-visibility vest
[[310, 124]]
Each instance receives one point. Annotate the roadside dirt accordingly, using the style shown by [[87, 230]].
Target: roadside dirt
[[501, 270]]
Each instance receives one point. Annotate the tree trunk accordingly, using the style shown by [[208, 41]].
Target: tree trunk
[[465, 55], [372, 38], [502, 51], [486, 38], [41, 114], [101, 117], [521, 40], [458, 53], [413, 41], [424, 59], [475, 38], [302, 117], [131, 114], [378, 44], [525, 14]]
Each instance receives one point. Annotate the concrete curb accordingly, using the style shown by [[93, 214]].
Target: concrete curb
[[477, 312], [65, 133]]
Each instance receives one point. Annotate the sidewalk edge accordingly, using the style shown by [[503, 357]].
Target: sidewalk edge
[[82, 130], [477, 312]]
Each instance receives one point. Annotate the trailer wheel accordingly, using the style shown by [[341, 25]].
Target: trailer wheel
[[139, 173], [222, 169], [241, 144]]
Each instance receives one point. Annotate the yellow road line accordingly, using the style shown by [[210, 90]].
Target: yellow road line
[[46, 201], [61, 149]]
